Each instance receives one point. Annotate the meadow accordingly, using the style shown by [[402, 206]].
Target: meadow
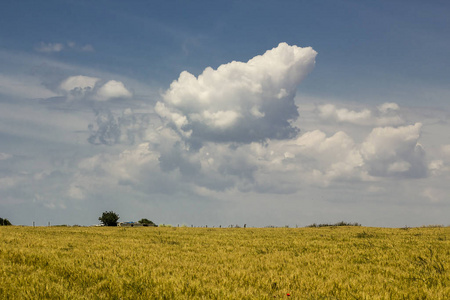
[[224, 263]]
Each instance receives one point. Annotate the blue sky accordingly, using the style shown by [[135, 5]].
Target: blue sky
[[174, 111], [375, 42]]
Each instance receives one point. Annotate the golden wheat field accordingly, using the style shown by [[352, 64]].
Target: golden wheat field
[[224, 263]]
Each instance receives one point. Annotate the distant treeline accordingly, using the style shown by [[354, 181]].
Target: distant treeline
[[342, 223]]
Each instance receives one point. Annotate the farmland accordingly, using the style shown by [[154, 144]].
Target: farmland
[[224, 263]]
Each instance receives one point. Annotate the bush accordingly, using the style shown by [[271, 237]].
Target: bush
[[146, 222], [4, 222]]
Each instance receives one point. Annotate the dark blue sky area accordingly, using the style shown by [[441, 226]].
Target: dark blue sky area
[[362, 46]]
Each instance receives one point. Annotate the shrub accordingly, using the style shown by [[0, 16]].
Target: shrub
[[4, 222], [146, 222]]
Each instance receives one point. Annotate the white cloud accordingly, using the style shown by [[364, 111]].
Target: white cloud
[[329, 111], [78, 85], [85, 48], [311, 158], [58, 47], [385, 142], [386, 115], [113, 89], [435, 164], [328, 149], [388, 106], [239, 101], [85, 87], [130, 162], [138, 169], [389, 151], [276, 166], [314, 158], [440, 166], [49, 47]]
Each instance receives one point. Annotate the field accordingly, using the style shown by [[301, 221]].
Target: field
[[224, 263]]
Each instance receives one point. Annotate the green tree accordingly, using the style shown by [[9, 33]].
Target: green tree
[[109, 218], [146, 222], [4, 222]]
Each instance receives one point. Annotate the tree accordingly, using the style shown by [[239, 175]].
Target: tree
[[4, 222], [146, 222], [109, 218]]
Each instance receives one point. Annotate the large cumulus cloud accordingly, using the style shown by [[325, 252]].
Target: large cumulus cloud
[[239, 102]]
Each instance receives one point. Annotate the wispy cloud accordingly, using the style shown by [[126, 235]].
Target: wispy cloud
[[81, 48], [58, 47], [24, 86], [49, 47]]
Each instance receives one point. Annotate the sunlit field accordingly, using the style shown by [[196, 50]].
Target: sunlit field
[[224, 263]]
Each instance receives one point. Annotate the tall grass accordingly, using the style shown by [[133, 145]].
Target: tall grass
[[224, 263]]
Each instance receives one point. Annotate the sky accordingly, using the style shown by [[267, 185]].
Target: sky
[[265, 113]]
